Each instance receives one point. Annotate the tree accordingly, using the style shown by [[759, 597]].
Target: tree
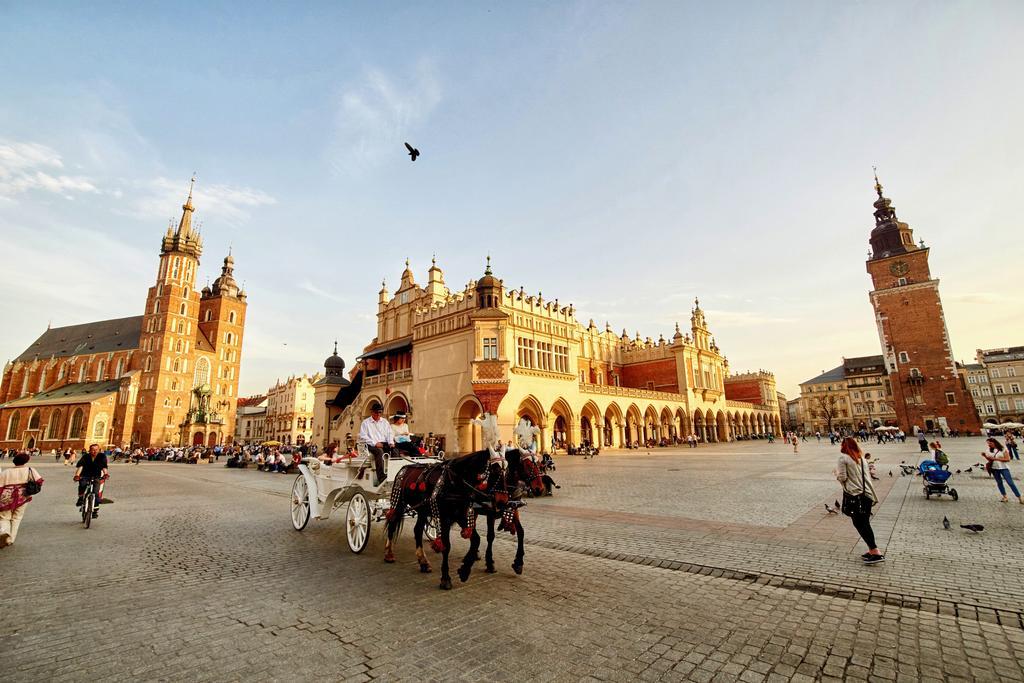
[[826, 407]]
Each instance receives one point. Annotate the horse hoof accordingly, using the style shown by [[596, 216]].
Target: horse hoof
[[446, 584], [490, 569], [389, 558], [463, 574], [425, 569], [517, 568]]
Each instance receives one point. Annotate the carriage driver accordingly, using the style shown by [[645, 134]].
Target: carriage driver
[[376, 433]]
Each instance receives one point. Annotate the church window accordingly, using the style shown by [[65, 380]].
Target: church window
[[119, 369], [175, 268], [51, 430], [202, 374], [42, 379], [100, 367], [177, 365], [177, 403], [167, 403], [229, 337], [951, 398], [170, 418], [181, 327], [81, 372], [184, 309], [149, 364], [62, 371], [174, 385], [207, 316], [156, 307], [12, 426], [178, 346], [904, 357], [76, 425], [231, 317]]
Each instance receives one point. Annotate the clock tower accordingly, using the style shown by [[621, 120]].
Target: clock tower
[[926, 389]]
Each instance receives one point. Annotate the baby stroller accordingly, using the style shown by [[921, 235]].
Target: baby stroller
[[935, 480]]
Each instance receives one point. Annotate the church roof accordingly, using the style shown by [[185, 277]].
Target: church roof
[[99, 337], [833, 375], [81, 392], [203, 342]]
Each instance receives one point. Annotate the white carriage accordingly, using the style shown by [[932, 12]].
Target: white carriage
[[320, 489]]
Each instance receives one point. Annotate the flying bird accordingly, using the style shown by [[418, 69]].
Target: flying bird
[[976, 528], [413, 152], [830, 510], [945, 524]]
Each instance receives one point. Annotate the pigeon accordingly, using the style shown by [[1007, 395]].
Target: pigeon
[[838, 506], [890, 473], [413, 152], [968, 470], [958, 471], [973, 527], [945, 524], [830, 510]]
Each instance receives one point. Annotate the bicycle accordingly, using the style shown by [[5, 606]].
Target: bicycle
[[90, 499]]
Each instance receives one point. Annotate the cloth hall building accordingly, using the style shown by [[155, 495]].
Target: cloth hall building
[[445, 357], [166, 377]]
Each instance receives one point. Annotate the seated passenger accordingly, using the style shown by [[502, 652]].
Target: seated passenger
[[400, 430]]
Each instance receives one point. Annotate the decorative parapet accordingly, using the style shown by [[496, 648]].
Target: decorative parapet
[[750, 406], [630, 392], [389, 378], [490, 370]]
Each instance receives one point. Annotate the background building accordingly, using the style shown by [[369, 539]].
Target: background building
[[445, 357], [289, 415], [854, 395], [927, 391], [250, 420], [995, 383], [167, 377]]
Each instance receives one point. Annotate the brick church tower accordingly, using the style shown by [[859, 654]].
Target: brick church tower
[[926, 388]]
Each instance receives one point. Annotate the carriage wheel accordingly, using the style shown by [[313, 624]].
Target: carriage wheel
[[430, 531], [357, 523], [954, 495], [300, 503]]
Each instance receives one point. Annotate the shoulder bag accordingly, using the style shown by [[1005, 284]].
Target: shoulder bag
[[32, 486], [861, 503]]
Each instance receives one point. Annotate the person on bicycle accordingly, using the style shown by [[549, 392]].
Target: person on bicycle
[[376, 433], [92, 465]]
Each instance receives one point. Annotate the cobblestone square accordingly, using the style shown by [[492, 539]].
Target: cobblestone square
[[716, 563]]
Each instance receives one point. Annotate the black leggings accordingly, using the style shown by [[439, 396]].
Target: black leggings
[[862, 523]]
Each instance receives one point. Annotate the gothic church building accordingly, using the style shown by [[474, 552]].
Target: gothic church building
[[167, 377]]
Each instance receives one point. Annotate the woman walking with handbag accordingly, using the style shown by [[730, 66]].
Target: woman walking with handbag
[[17, 486], [858, 496]]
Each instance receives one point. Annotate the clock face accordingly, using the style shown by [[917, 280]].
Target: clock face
[[899, 269]]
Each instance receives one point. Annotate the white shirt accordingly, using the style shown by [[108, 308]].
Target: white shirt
[[998, 464], [401, 432], [373, 432]]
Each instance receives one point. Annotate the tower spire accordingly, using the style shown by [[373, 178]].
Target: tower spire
[[878, 185], [185, 225]]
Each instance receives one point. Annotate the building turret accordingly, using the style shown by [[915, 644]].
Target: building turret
[[890, 236], [488, 289]]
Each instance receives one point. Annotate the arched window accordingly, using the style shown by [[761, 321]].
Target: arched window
[[81, 372], [202, 375], [177, 365], [183, 308], [175, 268], [156, 307], [100, 367], [63, 371], [51, 431], [231, 317], [149, 363], [119, 369], [170, 418], [207, 316], [33, 420], [24, 381], [42, 380], [174, 385], [181, 327], [177, 402], [167, 403], [76, 426], [177, 347], [12, 426], [229, 338]]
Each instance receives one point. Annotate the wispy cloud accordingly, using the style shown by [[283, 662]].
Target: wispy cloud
[[308, 286], [228, 203], [27, 166], [377, 114], [719, 318]]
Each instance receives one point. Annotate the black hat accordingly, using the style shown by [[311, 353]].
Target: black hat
[[376, 408]]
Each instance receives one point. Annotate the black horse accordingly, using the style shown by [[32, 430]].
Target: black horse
[[445, 491], [506, 486]]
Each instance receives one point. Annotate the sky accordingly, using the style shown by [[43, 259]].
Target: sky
[[624, 157]]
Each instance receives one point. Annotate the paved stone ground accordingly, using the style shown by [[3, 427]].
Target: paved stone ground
[[195, 574]]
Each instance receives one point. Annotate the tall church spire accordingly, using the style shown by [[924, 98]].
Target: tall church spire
[[185, 226], [184, 239]]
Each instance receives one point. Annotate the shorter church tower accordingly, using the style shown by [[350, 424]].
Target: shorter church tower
[[926, 389]]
